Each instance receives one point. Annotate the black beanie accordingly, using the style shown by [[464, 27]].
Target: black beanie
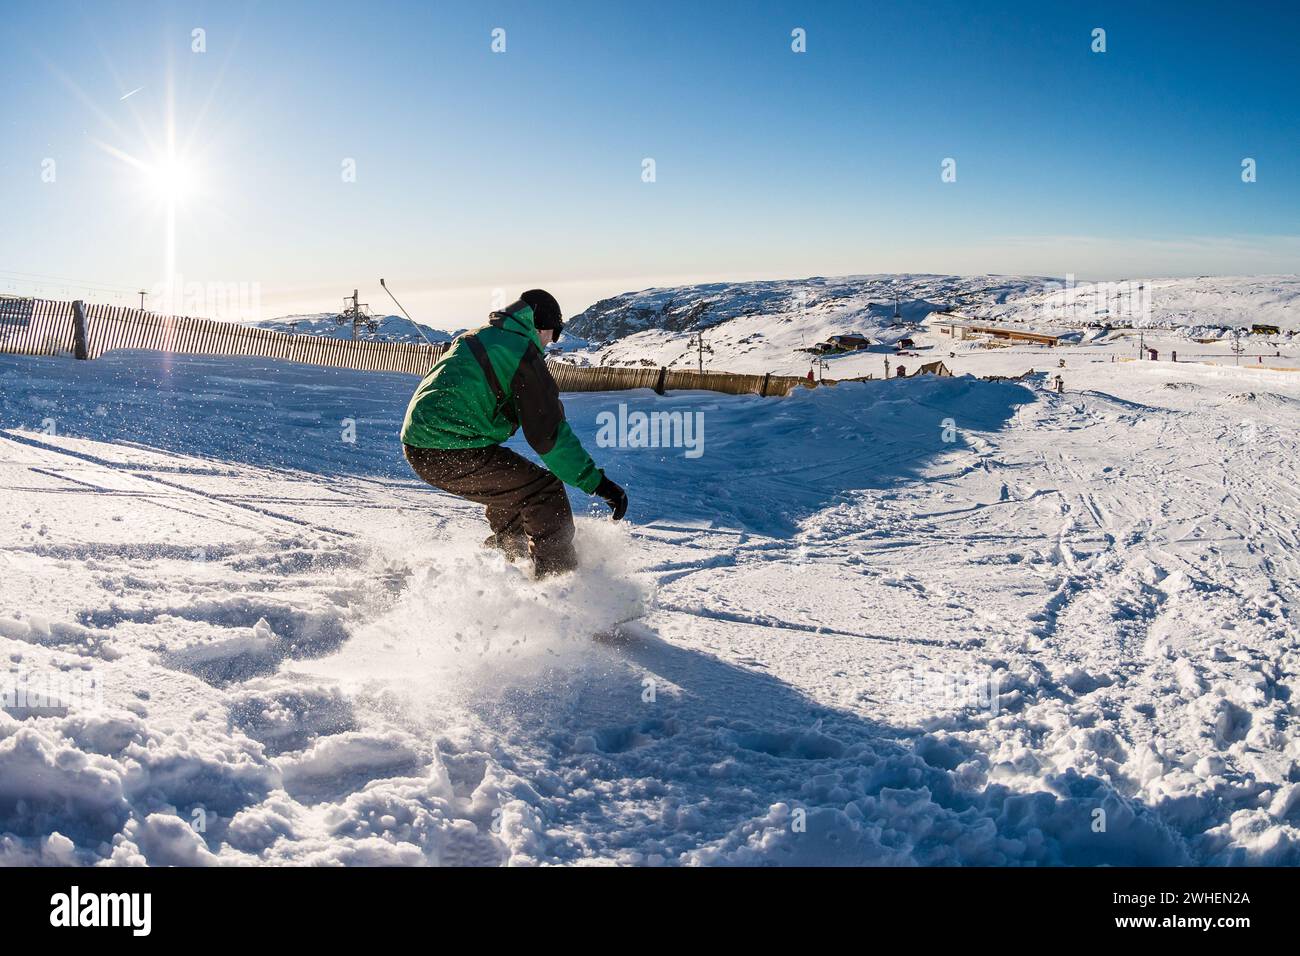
[[546, 311]]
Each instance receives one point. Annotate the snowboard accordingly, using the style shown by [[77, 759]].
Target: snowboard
[[618, 634]]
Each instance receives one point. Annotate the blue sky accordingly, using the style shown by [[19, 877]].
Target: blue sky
[[478, 170]]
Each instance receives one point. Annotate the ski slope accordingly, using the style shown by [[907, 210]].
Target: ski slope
[[306, 657]]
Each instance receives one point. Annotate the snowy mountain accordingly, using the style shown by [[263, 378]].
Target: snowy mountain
[[770, 326], [392, 328], [849, 298], [1204, 303]]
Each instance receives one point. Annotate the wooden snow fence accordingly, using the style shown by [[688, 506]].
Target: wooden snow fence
[[44, 327], [41, 327], [609, 378], [35, 326]]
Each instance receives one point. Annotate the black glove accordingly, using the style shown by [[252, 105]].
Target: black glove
[[614, 496]]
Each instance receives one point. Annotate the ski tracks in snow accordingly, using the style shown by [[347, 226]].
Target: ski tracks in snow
[[1162, 629], [293, 655]]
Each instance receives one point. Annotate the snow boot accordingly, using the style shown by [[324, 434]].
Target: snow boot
[[513, 546]]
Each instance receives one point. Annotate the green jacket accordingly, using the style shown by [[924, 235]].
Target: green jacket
[[456, 404]]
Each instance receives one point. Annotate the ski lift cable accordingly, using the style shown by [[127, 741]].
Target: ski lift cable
[[405, 313], [68, 281]]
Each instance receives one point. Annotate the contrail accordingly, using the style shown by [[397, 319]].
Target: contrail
[[132, 93]]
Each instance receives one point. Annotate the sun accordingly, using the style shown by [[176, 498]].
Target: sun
[[171, 179]]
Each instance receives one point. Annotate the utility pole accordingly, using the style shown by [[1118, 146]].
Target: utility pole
[[142, 300], [700, 348], [357, 314]]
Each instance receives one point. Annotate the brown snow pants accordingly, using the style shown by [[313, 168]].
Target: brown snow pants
[[527, 507]]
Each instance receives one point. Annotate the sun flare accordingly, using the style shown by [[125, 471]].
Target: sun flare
[[171, 179]]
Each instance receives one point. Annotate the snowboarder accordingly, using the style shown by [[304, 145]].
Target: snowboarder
[[491, 382]]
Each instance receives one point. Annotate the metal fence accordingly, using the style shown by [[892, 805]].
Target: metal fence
[[43, 327]]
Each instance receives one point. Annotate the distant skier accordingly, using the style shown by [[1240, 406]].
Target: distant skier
[[488, 384]]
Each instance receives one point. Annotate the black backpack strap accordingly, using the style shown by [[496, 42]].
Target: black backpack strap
[[480, 355]]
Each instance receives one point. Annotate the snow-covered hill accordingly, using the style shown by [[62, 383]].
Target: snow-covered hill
[[391, 328], [768, 326], [868, 299], [1202, 304]]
